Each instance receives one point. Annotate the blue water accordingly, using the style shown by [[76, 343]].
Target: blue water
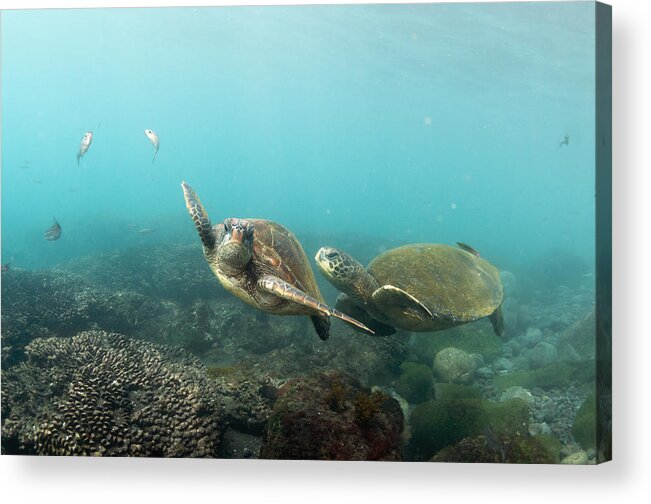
[[435, 123]]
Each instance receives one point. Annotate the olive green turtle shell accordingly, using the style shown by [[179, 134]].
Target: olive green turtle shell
[[455, 285]]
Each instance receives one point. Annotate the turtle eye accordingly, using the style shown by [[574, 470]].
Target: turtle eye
[[331, 255]]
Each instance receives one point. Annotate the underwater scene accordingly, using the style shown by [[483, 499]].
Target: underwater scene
[[352, 232]]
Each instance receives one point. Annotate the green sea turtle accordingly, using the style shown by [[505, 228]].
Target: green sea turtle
[[421, 287], [263, 264]]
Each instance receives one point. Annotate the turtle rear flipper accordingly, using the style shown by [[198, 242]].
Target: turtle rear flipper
[[497, 320], [321, 326], [199, 216], [346, 305], [396, 303], [285, 290]]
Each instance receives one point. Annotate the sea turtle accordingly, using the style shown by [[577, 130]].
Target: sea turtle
[[263, 264], [420, 287]]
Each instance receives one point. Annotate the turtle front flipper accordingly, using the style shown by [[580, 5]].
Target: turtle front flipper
[[199, 216], [497, 320], [285, 290], [393, 300]]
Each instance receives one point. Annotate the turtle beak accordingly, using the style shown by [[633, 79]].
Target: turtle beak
[[240, 231], [237, 235]]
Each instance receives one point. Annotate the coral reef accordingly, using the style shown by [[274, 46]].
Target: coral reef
[[100, 393], [330, 416], [255, 398], [41, 304], [178, 273]]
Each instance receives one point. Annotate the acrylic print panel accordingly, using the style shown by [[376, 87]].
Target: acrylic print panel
[[352, 232]]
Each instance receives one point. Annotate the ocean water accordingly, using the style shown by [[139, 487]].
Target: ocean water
[[435, 123], [363, 127]]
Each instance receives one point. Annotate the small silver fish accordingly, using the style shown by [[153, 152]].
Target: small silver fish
[[153, 138], [53, 232], [565, 141], [84, 145], [147, 231]]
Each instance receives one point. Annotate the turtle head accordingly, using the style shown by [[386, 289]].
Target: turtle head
[[234, 245], [344, 272]]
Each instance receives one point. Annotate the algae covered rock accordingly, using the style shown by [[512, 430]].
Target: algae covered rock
[[477, 337], [576, 458], [542, 354], [517, 392], [415, 382], [584, 428], [452, 365], [580, 337], [330, 416], [439, 423], [497, 448]]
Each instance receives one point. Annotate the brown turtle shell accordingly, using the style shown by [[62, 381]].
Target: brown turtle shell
[[276, 251]]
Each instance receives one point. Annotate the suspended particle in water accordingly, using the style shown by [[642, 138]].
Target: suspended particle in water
[[439, 218], [453, 206], [328, 211], [427, 121]]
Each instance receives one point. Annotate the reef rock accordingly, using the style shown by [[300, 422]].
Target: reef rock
[[578, 341], [452, 365], [330, 416], [542, 355], [497, 448]]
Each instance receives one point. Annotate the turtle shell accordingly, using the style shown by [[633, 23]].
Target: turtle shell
[[276, 251], [455, 285]]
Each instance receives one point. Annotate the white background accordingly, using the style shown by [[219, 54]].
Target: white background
[[626, 479]]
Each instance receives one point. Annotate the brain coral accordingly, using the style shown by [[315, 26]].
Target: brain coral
[[101, 393]]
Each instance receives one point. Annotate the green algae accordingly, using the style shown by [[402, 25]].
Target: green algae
[[558, 375], [584, 428], [415, 382]]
